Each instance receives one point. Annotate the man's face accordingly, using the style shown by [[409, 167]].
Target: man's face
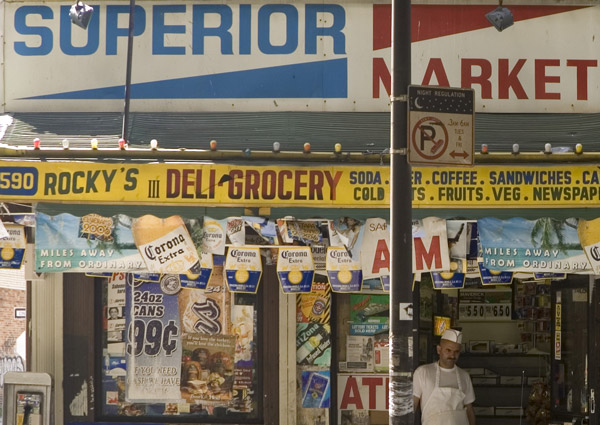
[[449, 352]]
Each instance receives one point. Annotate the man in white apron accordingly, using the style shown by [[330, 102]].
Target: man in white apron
[[443, 390]]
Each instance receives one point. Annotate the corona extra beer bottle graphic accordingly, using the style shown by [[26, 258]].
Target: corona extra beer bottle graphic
[[165, 245], [589, 237]]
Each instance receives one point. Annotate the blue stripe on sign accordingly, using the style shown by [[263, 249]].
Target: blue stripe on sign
[[113, 423], [321, 79]]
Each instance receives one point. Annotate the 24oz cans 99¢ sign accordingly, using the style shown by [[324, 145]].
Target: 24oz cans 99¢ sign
[[440, 125]]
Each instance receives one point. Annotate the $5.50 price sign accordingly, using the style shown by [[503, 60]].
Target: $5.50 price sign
[[477, 312], [151, 337]]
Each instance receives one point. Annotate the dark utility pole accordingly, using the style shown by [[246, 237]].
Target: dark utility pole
[[401, 328], [127, 96]]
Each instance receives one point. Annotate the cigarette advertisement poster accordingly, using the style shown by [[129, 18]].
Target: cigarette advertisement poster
[[542, 245], [153, 343], [64, 243]]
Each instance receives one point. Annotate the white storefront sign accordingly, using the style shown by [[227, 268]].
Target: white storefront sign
[[335, 56]]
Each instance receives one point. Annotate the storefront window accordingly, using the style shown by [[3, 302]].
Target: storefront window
[[188, 352], [363, 351]]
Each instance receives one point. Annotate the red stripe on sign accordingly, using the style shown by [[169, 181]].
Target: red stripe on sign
[[433, 21]]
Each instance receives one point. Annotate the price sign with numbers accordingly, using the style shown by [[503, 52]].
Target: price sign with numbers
[[475, 312], [153, 342]]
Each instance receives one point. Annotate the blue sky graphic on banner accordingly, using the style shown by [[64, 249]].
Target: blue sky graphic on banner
[[153, 343], [542, 245]]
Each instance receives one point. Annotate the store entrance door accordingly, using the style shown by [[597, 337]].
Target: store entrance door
[[576, 336], [594, 390]]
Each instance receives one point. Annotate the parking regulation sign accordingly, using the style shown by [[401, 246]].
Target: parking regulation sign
[[440, 125]]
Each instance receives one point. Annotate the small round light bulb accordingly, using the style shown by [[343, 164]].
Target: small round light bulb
[[36, 143], [338, 148], [213, 145], [153, 144], [307, 147], [94, 143], [276, 147]]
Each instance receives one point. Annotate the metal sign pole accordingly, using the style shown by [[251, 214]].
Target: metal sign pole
[[127, 96], [401, 325]]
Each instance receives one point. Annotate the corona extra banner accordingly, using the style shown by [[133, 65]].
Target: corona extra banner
[[65, 243], [505, 186]]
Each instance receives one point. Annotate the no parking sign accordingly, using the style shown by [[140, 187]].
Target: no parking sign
[[440, 125]]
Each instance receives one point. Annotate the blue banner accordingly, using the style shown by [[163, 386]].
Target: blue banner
[[153, 343]]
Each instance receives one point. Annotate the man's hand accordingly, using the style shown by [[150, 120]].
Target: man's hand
[[470, 414], [416, 401]]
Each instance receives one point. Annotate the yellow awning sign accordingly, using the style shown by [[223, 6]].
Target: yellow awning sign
[[347, 186]]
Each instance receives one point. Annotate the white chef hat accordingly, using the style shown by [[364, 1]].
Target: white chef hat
[[452, 335]]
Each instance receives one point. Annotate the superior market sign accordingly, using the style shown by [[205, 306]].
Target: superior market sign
[[332, 186], [299, 56]]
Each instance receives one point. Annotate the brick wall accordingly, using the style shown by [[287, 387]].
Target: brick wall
[[11, 328]]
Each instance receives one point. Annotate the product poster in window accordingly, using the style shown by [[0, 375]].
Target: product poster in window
[[316, 392], [243, 268], [213, 236], [313, 344], [12, 246], [207, 367], [344, 271], [208, 311], [153, 340], [369, 314], [314, 306], [295, 269], [494, 277], [199, 279], [448, 280]]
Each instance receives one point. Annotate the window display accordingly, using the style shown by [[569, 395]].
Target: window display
[[172, 350]]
